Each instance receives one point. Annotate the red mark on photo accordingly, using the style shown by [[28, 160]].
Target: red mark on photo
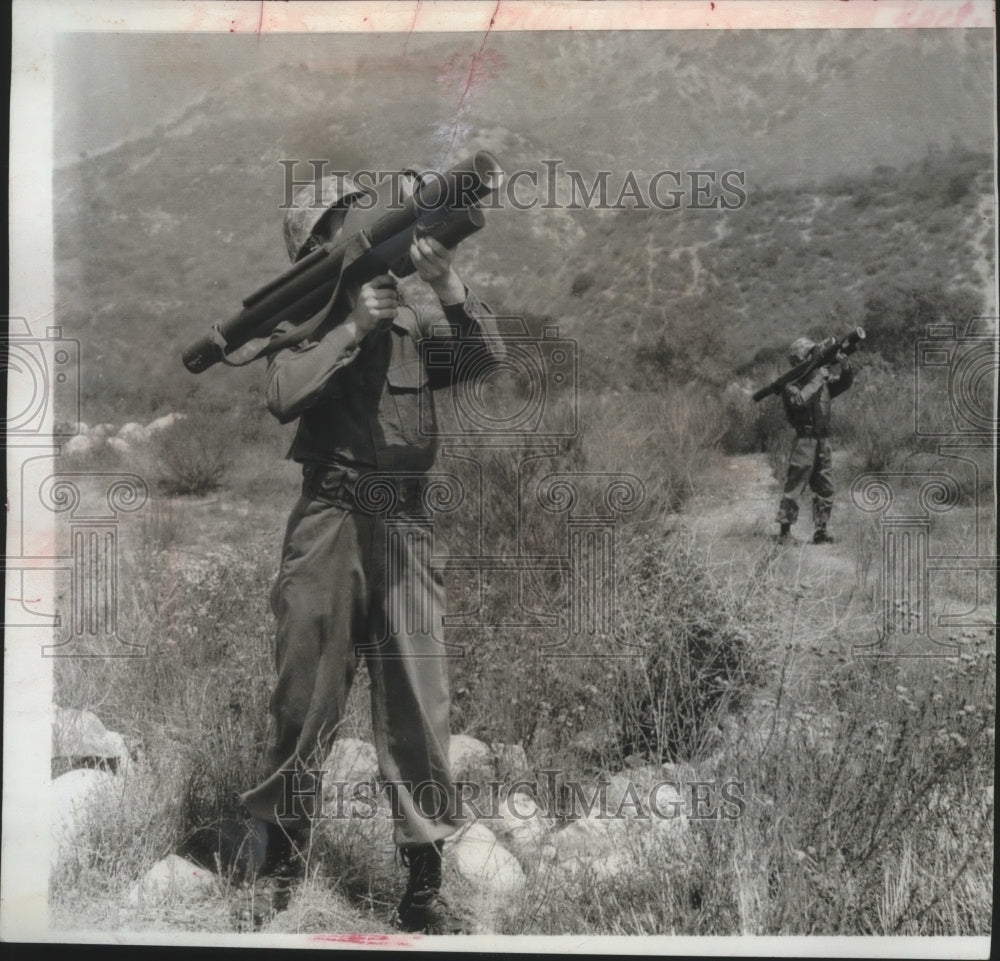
[[368, 940]]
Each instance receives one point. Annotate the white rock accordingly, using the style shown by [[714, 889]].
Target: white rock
[[481, 877], [167, 420], [470, 759], [351, 760], [584, 838], [521, 822], [133, 433], [78, 445], [118, 444], [354, 810], [78, 797], [357, 834], [638, 820], [81, 734], [172, 878], [476, 855]]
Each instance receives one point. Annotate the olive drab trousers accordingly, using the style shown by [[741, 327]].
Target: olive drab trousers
[[810, 463], [340, 596]]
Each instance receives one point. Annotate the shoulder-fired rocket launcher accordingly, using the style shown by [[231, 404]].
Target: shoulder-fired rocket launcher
[[375, 239], [822, 354]]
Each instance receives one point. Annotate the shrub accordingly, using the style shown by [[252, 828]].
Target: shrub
[[196, 702], [695, 661], [897, 315], [753, 427], [876, 416], [581, 284], [511, 684], [693, 428], [874, 808], [225, 636], [507, 685], [194, 453]]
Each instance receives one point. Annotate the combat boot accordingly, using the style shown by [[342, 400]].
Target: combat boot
[[270, 892], [423, 908], [821, 536]]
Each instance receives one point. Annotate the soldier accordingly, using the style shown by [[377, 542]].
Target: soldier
[[361, 393], [807, 407]]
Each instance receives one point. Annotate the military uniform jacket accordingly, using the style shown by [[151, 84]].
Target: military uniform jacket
[[370, 407], [807, 403]]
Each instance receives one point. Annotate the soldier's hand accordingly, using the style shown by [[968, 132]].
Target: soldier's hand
[[841, 358], [376, 305], [433, 262], [431, 258]]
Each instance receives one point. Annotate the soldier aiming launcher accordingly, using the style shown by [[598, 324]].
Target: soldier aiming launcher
[[822, 354], [375, 239]]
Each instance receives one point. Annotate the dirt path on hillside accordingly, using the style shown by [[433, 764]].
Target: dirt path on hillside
[[819, 606]]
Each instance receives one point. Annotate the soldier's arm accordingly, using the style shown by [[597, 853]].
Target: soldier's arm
[[844, 378], [470, 319], [467, 318], [300, 375], [799, 396]]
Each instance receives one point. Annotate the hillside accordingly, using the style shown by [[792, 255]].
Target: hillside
[[621, 610], [161, 235], [648, 294]]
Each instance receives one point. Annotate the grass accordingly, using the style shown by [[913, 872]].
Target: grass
[[865, 781], [891, 792], [848, 829]]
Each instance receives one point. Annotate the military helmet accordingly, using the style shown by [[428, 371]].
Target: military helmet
[[800, 349], [311, 204]]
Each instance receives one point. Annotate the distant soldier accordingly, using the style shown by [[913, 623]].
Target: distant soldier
[[807, 407]]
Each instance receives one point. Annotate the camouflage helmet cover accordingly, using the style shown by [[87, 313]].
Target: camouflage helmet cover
[[312, 203], [800, 349]]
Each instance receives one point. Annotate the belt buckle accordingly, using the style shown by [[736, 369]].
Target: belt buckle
[[411, 496], [320, 482]]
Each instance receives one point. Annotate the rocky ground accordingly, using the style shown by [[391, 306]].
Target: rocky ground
[[514, 850]]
